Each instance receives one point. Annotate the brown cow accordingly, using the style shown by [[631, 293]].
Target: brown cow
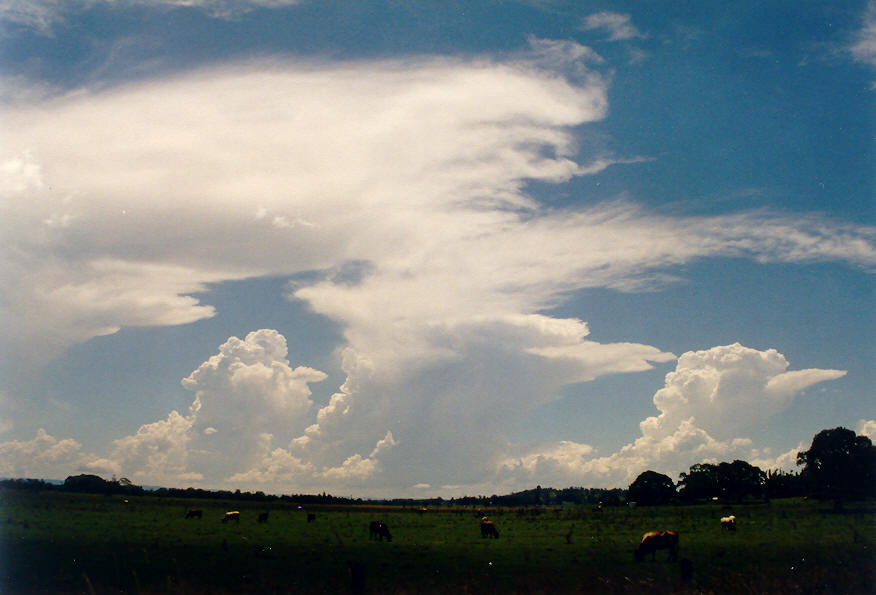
[[657, 540], [194, 513]]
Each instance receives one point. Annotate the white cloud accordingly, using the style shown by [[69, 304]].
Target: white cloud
[[708, 404], [157, 454], [786, 461], [618, 25], [864, 47], [126, 201], [44, 457], [866, 427], [131, 199], [356, 467], [729, 390], [246, 396], [43, 15], [454, 430]]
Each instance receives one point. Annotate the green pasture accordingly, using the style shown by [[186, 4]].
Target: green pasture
[[54, 542]]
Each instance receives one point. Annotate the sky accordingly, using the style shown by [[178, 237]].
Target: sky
[[421, 249]]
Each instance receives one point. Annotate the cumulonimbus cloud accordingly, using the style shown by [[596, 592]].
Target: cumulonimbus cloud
[[120, 203]]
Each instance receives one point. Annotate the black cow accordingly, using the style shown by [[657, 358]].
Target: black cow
[[263, 517], [194, 513], [488, 529], [311, 516], [657, 540], [378, 530]]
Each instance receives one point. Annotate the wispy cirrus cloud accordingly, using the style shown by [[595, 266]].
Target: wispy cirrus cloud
[[863, 48], [618, 26], [43, 15]]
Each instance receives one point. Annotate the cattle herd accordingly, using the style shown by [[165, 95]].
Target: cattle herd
[[379, 531]]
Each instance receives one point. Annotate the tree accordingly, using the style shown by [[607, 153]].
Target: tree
[[87, 483], [740, 479], [839, 466], [701, 483], [652, 488], [781, 484]]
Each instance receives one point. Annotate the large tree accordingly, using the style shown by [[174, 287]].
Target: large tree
[[652, 488], [839, 465]]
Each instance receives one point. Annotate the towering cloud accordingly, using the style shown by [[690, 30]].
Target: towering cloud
[[401, 188], [710, 403]]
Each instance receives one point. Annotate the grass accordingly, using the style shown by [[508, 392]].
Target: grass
[[51, 542]]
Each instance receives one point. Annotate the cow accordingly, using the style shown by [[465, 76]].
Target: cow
[[728, 523], [194, 513], [233, 515], [657, 540], [488, 529], [311, 516], [263, 517], [378, 530]]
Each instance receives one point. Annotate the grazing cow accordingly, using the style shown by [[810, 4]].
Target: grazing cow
[[263, 517], [488, 529], [311, 516], [194, 513], [233, 515], [728, 523], [657, 540], [378, 530]]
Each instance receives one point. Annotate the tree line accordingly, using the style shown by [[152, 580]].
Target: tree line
[[838, 466]]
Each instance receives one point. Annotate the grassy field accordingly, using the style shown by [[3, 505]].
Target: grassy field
[[52, 542]]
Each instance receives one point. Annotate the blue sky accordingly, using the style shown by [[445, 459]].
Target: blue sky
[[432, 248]]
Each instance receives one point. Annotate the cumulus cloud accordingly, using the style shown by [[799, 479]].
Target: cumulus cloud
[[619, 26], [709, 402], [866, 427], [245, 395], [44, 457], [158, 452], [729, 390]]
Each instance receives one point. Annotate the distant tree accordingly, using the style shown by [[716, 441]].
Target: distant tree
[[839, 465], [651, 487], [87, 483], [736, 481]]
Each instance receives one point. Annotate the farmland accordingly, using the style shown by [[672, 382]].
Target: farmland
[[55, 542]]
